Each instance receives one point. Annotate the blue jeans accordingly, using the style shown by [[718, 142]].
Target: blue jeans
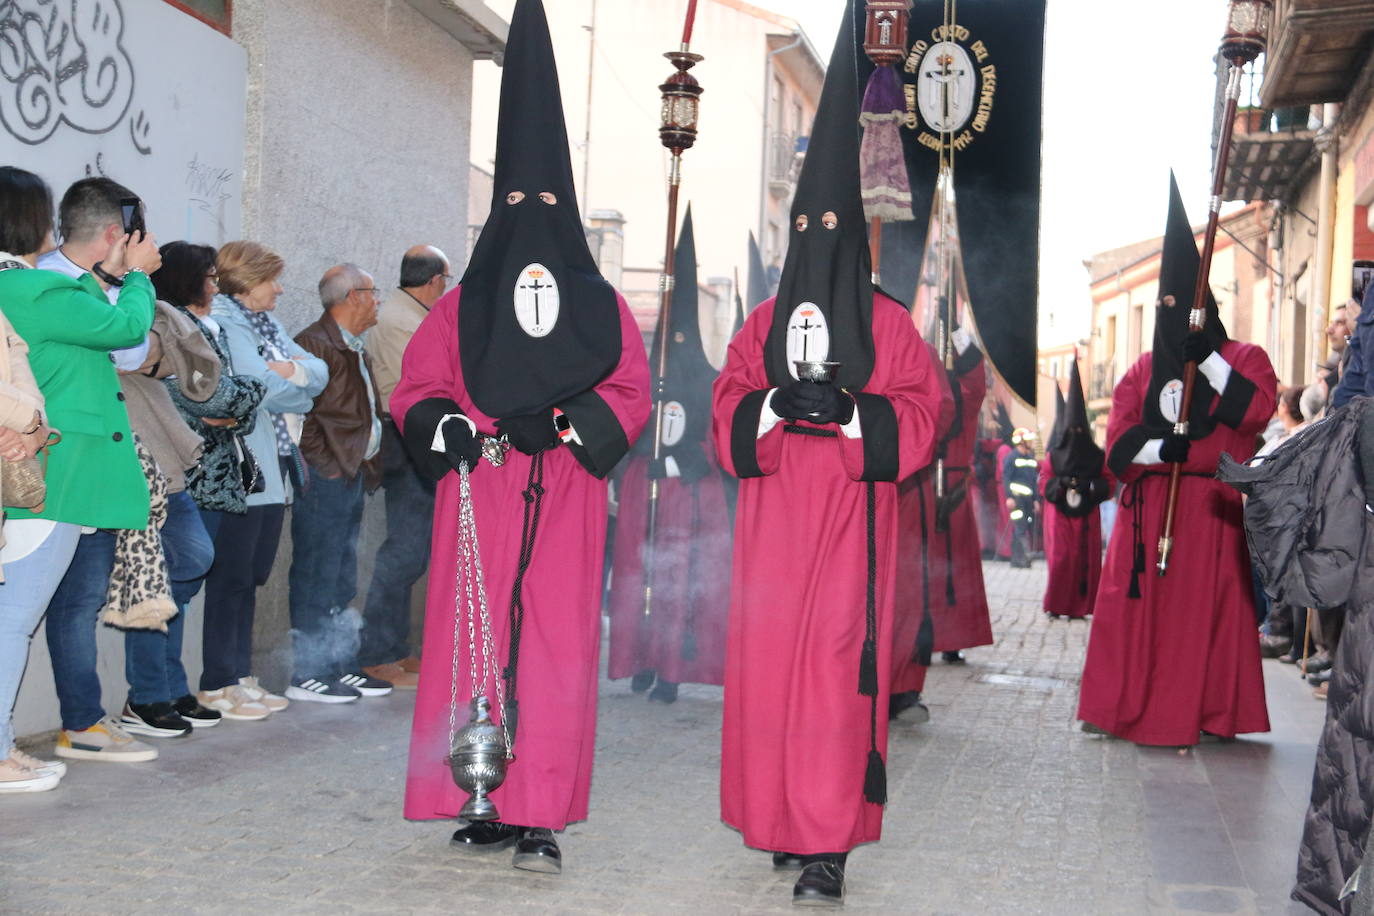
[[152, 660], [325, 519], [245, 549], [29, 585], [402, 559], [72, 615]]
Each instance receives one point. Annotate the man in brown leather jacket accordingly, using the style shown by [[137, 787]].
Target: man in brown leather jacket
[[341, 444]]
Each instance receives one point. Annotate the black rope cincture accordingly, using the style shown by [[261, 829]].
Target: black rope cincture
[[925, 636], [875, 774], [1131, 498], [533, 495], [688, 652], [1083, 559]]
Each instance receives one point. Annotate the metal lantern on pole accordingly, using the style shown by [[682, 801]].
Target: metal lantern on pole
[[677, 131], [883, 177], [1245, 39]]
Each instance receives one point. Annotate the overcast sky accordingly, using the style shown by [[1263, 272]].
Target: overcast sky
[[1128, 95]]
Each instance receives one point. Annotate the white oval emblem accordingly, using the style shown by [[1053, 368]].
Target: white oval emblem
[[1171, 399], [1073, 498], [945, 87], [674, 423], [536, 300], [808, 337]]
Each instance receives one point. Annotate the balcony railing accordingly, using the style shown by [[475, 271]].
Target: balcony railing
[[1103, 380], [785, 154]]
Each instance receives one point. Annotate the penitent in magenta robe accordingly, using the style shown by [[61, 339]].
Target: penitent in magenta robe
[[1073, 555], [914, 586], [959, 599], [684, 637], [549, 781], [796, 733], [1003, 546], [1182, 658]]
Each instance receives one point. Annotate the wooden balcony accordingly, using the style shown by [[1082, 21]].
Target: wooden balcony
[[1316, 49]]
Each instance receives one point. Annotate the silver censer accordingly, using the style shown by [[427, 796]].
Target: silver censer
[[814, 370], [478, 762]]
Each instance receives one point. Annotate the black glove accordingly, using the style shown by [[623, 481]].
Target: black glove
[[1174, 449], [1197, 346], [797, 400], [814, 402], [530, 433], [460, 445], [657, 470], [691, 465]]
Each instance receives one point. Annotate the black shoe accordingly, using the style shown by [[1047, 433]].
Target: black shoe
[[907, 707], [314, 690], [367, 686], [1274, 646], [1321, 677], [643, 680], [664, 692], [484, 836], [1318, 663], [537, 850], [157, 720], [190, 709], [821, 884], [1289, 658], [787, 861], [953, 658]]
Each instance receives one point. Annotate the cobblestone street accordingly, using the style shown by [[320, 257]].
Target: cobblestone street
[[999, 805]]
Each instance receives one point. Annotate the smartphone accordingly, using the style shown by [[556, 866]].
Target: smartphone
[[131, 208]]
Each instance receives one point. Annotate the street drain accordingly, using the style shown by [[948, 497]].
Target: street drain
[[1022, 681]]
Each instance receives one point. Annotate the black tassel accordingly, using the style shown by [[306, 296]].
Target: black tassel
[[689, 646], [925, 641], [868, 669], [1136, 569], [875, 780], [512, 721]]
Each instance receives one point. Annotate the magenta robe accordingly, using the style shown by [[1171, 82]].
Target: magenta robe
[[916, 561], [550, 779], [988, 496], [796, 739], [1183, 657], [691, 587], [1073, 555], [960, 601], [1003, 513]]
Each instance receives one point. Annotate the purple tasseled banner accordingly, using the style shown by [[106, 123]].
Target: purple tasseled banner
[[882, 163]]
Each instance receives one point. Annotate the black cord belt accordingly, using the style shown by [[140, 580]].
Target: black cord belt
[[810, 431]]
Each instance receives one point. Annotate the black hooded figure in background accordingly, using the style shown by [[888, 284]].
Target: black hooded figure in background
[[1074, 482], [802, 770], [532, 373], [1172, 656]]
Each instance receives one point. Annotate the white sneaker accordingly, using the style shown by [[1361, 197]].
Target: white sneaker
[[56, 767], [16, 777], [233, 703], [105, 740], [258, 694]]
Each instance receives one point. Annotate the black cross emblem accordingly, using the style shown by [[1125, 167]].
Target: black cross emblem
[[536, 286], [806, 328]]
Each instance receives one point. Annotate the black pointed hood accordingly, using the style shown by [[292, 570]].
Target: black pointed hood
[[1004, 425], [1058, 426], [758, 276], [537, 323], [1073, 452], [689, 376], [827, 278], [1178, 270]]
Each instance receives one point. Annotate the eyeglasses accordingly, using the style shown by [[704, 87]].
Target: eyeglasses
[[376, 293]]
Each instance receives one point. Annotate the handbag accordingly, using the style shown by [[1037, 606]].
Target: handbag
[[250, 472], [23, 482]]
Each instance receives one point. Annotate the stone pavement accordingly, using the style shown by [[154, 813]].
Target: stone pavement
[[999, 805]]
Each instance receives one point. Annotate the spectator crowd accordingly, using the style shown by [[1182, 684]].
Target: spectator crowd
[[156, 421]]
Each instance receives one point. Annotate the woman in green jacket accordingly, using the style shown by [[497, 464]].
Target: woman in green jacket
[[94, 478]]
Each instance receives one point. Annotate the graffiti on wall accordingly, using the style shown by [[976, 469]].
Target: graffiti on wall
[[65, 62]]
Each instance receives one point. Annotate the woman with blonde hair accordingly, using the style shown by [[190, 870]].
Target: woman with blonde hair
[[246, 545]]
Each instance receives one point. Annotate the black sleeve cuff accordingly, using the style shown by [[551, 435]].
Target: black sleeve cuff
[[966, 362], [1126, 448], [421, 422], [604, 441], [744, 434], [1235, 400], [878, 421]]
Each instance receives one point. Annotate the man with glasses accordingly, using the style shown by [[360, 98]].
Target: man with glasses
[[403, 558], [341, 443]]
